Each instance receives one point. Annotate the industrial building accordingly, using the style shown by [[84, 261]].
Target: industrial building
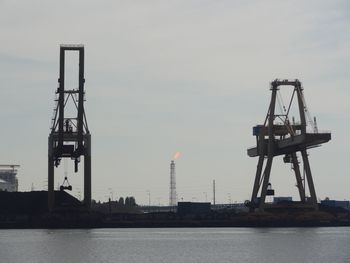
[[336, 203], [8, 177], [282, 199], [191, 208]]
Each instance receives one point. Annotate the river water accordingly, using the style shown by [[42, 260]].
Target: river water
[[182, 245]]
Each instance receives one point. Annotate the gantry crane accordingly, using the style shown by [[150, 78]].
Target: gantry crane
[[280, 135], [70, 136]]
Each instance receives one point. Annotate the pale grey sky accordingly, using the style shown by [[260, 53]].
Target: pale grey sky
[[167, 76]]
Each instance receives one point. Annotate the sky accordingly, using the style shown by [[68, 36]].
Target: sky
[[167, 76]]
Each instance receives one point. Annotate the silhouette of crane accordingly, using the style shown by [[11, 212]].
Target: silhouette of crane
[[279, 135], [70, 136]]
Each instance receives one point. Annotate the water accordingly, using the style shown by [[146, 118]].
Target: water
[[182, 245]]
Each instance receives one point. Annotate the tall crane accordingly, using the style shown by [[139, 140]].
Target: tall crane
[[70, 136], [279, 135]]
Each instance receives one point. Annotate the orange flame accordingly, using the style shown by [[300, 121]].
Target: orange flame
[[177, 155]]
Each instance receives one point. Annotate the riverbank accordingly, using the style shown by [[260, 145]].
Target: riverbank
[[158, 220], [29, 210]]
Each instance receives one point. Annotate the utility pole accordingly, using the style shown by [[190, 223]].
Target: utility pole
[[214, 192], [149, 200]]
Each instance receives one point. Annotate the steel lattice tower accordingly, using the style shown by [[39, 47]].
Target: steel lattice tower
[[172, 188], [69, 136]]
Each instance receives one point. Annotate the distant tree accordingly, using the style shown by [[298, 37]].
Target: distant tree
[[127, 201], [121, 201], [132, 201]]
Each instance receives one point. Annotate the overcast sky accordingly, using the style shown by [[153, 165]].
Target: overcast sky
[[167, 76]]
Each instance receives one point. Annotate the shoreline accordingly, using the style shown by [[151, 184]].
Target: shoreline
[[171, 220]]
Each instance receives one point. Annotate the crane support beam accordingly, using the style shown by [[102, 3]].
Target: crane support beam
[[298, 176]]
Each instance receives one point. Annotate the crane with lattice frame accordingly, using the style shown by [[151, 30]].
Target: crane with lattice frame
[[279, 135]]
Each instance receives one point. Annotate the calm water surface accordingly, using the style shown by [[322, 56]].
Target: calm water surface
[[183, 245]]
